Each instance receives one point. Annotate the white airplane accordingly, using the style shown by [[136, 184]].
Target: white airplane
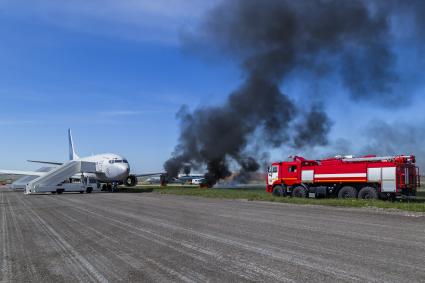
[[111, 169]]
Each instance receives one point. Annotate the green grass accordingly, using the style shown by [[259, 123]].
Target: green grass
[[261, 195]]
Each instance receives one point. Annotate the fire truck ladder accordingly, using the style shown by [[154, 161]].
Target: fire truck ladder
[[362, 159], [377, 158], [51, 179]]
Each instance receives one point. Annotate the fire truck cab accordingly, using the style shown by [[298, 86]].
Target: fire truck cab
[[367, 177]]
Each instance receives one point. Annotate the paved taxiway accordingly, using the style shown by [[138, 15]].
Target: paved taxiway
[[151, 237]]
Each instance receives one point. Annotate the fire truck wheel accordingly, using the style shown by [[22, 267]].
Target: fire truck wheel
[[299, 192], [278, 191], [347, 192], [368, 193]]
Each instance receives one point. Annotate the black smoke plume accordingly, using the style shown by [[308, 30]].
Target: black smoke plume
[[273, 39], [313, 129]]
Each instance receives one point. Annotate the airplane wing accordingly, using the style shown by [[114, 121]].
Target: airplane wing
[[148, 174], [46, 162], [26, 173]]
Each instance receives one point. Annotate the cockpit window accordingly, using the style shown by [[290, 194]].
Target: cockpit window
[[117, 161]]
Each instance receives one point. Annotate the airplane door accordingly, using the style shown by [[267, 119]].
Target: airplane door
[[99, 166], [290, 171]]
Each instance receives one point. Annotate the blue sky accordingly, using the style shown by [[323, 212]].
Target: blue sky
[[116, 73]]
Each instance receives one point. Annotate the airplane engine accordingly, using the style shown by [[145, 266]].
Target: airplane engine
[[131, 181]]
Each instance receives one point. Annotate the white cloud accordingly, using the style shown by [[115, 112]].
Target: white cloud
[[144, 20]]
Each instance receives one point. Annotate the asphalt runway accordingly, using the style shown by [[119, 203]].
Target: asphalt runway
[[146, 237]]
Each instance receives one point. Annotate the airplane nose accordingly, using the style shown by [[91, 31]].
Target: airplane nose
[[121, 171]]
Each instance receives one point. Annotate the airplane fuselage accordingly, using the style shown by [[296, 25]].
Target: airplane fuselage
[[109, 167]]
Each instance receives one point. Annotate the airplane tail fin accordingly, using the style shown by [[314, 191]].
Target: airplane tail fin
[[72, 154]]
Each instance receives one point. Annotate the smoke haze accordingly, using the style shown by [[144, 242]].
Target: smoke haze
[[396, 138]]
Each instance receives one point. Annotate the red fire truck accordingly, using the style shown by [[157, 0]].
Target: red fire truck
[[367, 177]]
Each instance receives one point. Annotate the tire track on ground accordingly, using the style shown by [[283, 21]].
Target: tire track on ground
[[172, 244], [17, 244], [66, 248], [5, 263], [268, 251], [322, 246], [125, 254]]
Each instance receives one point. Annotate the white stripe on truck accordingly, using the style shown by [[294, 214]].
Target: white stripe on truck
[[344, 175]]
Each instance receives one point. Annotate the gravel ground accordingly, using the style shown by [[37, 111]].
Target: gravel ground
[[151, 237]]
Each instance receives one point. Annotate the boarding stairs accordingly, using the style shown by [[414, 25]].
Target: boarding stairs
[[52, 179]]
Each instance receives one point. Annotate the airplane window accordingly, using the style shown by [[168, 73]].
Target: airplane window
[[118, 161], [111, 161], [125, 161]]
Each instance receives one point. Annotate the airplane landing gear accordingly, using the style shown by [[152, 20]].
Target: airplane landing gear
[[110, 187], [114, 187]]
